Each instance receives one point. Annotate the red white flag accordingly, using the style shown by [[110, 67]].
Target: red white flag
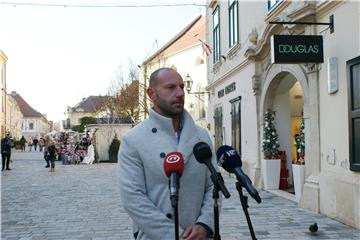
[[206, 48]]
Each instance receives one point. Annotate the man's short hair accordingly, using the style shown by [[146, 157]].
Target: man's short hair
[[154, 75]]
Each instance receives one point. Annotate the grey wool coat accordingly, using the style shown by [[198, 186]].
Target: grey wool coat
[[144, 187]]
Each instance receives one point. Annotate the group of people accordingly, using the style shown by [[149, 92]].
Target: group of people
[[32, 142]]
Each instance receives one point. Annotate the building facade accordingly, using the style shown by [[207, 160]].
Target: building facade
[[88, 107], [246, 83], [4, 127], [185, 54], [15, 118], [34, 124]]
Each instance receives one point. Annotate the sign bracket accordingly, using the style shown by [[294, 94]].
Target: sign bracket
[[330, 24]]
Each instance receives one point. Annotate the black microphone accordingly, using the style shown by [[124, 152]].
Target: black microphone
[[203, 154], [231, 162]]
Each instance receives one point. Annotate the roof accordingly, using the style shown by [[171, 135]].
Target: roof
[[187, 37], [90, 104], [25, 108]]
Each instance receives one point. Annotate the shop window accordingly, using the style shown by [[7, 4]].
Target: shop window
[[353, 71], [218, 129], [233, 23], [216, 35], [236, 124]]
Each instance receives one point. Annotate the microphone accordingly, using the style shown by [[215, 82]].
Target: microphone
[[231, 162], [203, 154], [174, 167]]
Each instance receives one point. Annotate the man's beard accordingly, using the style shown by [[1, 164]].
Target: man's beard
[[166, 107]]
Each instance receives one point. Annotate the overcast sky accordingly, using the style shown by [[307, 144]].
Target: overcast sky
[[58, 55]]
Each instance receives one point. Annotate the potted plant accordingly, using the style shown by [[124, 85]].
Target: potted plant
[[270, 147], [17, 144], [114, 149], [298, 165]]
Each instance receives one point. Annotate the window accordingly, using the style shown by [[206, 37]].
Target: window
[[353, 71], [216, 35], [218, 118], [31, 126], [233, 22], [236, 124], [272, 3]]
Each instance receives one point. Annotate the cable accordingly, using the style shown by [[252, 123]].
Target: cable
[[100, 6]]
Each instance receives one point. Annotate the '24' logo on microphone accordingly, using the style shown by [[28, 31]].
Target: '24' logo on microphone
[[173, 158]]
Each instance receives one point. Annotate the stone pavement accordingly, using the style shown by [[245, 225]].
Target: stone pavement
[[82, 202]]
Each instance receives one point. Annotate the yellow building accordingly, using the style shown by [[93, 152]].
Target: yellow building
[[3, 60]]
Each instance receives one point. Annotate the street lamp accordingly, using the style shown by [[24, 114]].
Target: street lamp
[[188, 85]]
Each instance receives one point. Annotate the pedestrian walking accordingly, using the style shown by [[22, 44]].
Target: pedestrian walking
[[35, 143], [23, 143], [41, 144], [30, 143], [51, 154], [144, 187], [6, 145]]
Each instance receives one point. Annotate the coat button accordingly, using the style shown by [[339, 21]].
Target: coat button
[[169, 215], [154, 130], [162, 155]]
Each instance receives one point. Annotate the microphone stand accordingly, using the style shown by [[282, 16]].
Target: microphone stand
[[216, 207], [244, 204]]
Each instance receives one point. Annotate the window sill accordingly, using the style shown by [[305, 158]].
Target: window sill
[[216, 67], [233, 51]]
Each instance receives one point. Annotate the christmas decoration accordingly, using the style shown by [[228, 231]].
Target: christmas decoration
[[300, 144], [270, 142]]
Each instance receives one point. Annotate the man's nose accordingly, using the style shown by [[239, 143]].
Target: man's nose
[[180, 92]]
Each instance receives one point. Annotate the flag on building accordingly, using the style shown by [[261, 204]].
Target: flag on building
[[206, 48]]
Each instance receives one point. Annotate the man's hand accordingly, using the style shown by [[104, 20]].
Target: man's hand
[[194, 232]]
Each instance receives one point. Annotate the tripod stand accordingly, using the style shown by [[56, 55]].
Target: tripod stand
[[245, 206]]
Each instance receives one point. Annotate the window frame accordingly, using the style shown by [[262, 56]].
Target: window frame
[[216, 31], [353, 114], [218, 126], [233, 14], [236, 123], [271, 5]]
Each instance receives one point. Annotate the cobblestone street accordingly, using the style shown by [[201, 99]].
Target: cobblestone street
[[82, 202]]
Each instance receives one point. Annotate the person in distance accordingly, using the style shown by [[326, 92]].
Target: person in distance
[[144, 187]]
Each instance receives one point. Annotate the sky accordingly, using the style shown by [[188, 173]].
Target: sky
[[59, 55]]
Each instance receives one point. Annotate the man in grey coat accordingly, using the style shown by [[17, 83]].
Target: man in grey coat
[[144, 187]]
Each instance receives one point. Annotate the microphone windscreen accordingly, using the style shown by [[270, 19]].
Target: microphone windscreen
[[228, 158], [202, 152], [174, 162]]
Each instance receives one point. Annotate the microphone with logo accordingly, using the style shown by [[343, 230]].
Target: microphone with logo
[[174, 167], [231, 162]]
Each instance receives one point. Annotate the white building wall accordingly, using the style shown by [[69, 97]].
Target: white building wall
[[104, 136], [340, 187], [337, 186]]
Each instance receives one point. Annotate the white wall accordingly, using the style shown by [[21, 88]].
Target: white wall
[[105, 135], [340, 187]]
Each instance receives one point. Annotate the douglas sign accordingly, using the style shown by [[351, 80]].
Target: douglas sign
[[296, 49]]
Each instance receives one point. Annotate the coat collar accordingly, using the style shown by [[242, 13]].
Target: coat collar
[[188, 134]]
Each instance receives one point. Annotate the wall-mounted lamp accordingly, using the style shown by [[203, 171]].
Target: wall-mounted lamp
[[188, 85]]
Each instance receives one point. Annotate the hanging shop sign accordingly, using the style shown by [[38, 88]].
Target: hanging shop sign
[[297, 49]]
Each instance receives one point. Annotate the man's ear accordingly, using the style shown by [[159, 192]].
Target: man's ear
[[151, 93]]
